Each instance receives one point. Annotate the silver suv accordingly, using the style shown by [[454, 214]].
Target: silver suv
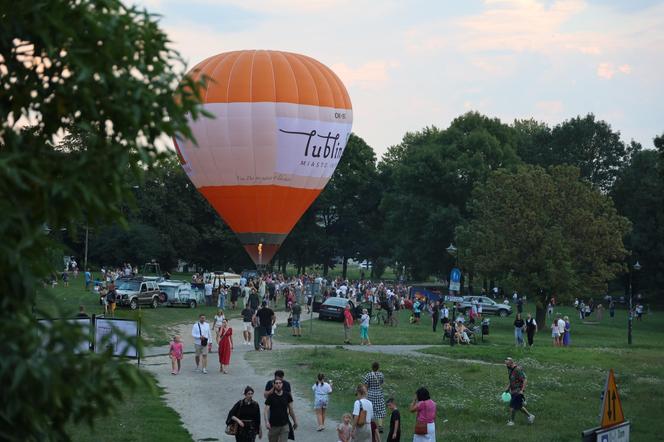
[[135, 292], [489, 306]]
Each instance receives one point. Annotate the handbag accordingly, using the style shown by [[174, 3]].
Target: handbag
[[231, 429], [204, 340], [420, 428], [362, 417]]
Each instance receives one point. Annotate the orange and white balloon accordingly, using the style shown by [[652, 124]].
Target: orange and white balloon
[[281, 124]]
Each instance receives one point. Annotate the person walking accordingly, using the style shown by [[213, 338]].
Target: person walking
[[217, 323], [519, 324], [516, 387], [175, 352], [435, 315], [322, 392], [247, 415], [374, 381], [425, 421], [296, 312], [531, 329], [266, 319], [394, 434], [348, 324], [201, 334], [612, 309], [111, 299], [362, 416], [278, 408], [247, 315], [225, 346], [364, 328]]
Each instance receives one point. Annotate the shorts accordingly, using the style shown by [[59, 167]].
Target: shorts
[[417, 314], [296, 323], [201, 349], [112, 305], [320, 403], [516, 402], [265, 331], [364, 332], [247, 326]]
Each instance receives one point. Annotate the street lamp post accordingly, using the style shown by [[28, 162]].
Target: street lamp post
[[630, 316]]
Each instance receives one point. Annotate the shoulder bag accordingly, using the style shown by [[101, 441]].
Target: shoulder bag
[[204, 340], [362, 417]]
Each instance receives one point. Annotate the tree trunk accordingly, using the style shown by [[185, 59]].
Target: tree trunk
[[540, 315], [344, 268], [326, 267]]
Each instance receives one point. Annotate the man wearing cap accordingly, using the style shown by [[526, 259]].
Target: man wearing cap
[[516, 387]]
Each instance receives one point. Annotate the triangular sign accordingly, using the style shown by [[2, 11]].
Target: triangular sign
[[612, 412]]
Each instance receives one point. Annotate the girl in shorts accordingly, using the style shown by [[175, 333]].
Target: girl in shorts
[[175, 352], [321, 390]]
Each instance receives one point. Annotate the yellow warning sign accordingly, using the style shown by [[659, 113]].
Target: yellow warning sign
[[612, 412]]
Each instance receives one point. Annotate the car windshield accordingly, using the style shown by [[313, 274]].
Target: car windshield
[[129, 285], [337, 302]]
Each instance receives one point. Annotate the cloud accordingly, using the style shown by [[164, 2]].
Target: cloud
[[607, 70], [370, 75]]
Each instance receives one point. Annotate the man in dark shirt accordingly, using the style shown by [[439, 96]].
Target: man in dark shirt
[[269, 387], [516, 388], [395, 422], [235, 293], [266, 319], [278, 406]]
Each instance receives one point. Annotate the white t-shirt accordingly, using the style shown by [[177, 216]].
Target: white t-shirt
[[366, 405], [321, 391], [364, 320], [208, 289], [561, 326]]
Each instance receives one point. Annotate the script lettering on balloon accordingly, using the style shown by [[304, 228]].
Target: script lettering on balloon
[[310, 148]]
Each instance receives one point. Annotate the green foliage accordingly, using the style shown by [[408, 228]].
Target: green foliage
[[94, 68], [428, 179], [547, 231], [589, 144], [639, 195]]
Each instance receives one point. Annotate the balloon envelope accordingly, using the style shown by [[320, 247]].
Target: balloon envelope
[[281, 124]]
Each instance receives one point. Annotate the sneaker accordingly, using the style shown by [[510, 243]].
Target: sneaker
[[531, 418], [510, 423], [205, 371]]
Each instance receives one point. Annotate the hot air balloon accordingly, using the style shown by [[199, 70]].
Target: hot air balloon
[[281, 125]]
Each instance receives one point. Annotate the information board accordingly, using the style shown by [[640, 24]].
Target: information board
[[113, 333]]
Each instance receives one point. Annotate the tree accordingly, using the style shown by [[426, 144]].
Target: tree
[[428, 179], [549, 233], [639, 195], [101, 69], [584, 142]]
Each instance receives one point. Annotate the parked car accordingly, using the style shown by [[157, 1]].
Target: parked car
[[180, 293], [489, 306], [333, 308], [617, 299], [133, 292]]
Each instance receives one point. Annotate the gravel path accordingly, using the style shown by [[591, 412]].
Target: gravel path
[[203, 400]]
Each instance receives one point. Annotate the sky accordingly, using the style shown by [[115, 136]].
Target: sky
[[408, 64]]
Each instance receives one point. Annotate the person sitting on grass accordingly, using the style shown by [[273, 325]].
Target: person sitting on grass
[[461, 335]]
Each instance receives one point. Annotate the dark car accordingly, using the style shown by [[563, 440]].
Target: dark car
[[333, 308]]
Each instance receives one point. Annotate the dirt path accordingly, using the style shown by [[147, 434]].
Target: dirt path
[[203, 400]]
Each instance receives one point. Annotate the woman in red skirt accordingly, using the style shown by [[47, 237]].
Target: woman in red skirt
[[225, 346]]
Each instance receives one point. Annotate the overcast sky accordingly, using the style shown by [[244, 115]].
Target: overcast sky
[[410, 64]]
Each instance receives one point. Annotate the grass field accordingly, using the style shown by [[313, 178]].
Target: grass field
[[143, 416], [564, 383]]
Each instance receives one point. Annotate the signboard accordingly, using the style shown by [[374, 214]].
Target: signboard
[[619, 433], [455, 280], [84, 323], [114, 333], [612, 412]]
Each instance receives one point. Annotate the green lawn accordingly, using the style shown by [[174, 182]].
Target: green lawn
[[157, 324], [142, 416], [564, 383]]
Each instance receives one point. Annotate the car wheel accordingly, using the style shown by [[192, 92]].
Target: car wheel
[[192, 304], [133, 304], [155, 302], [502, 313]]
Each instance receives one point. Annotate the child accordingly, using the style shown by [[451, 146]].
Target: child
[[345, 429], [321, 390], [395, 422], [175, 352]]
